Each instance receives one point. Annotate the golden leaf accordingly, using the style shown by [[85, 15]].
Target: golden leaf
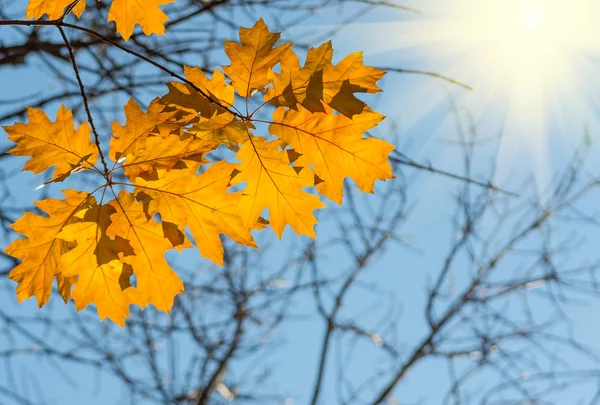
[[53, 8], [129, 13], [335, 147], [201, 202], [166, 153], [96, 261], [40, 251], [53, 143], [296, 85], [348, 77], [182, 96], [223, 129], [157, 283], [129, 140], [272, 183], [252, 59]]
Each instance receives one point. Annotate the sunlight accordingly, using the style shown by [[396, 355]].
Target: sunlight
[[529, 54], [533, 65]]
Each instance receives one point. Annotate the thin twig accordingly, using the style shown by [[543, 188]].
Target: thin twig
[[84, 97], [426, 73], [59, 23], [403, 160]]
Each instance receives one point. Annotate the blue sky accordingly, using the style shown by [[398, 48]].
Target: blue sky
[[422, 110]]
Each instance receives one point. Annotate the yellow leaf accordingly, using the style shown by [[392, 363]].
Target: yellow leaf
[[128, 13], [96, 261], [157, 283], [252, 59], [335, 147], [223, 129], [65, 285], [296, 85], [348, 77], [272, 183], [166, 153], [40, 251], [53, 143], [185, 97], [201, 202], [129, 140], [53, 8]]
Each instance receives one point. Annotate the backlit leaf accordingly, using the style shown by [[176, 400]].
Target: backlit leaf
[[51, 144], [252, 59], [40, 252], [272, 183], [200, 202], [147, 13], [335, 146]]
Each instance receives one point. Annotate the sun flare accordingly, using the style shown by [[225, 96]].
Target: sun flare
[[532, 63]]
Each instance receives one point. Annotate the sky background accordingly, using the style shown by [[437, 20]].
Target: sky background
[[536, 142]]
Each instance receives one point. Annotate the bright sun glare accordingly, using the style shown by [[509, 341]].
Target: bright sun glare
[[531, 61]]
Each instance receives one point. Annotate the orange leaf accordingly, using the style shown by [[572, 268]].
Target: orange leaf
[[272, 183], [252, 59], [40, 251], [53, 143], [182, 96], [157, 283], [53, 8], [128, 13], [201, 202], [335, 147]]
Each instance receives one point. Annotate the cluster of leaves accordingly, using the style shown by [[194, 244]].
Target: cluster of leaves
[[125, 13], [161, 181]]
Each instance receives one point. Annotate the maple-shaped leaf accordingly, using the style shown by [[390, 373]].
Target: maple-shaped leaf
[[272, 183], [96, 261], [54, 9], [300, 85], [147, 13], [350, 76], [182, 96], [51, 144], [40, 251], [334, 145], [200, 202], [223, 129], [166, 153], [252, 59], [130, 139], [157, 283]]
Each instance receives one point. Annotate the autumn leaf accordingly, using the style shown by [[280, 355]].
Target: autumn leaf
[[300, 85], [54, 9], [129, 140], [252, 59], [350, 76], [320, 82], [125, 13], [223, 129], [166, 153], [157, 283], [40, 252], [183, 96], [129, 13], [51, 144], [335, 147], [272, 183], [200, 202], [96, 261]]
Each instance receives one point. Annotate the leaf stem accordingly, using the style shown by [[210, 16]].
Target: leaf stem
[[85, 99], [60, 24]]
